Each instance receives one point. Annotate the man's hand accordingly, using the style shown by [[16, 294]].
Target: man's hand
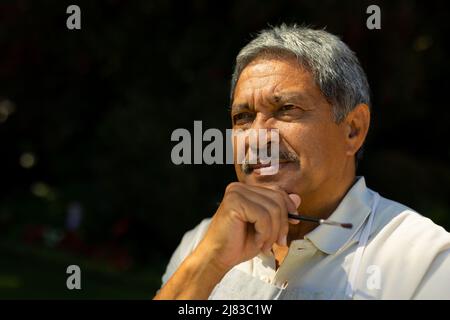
[[250, 219]]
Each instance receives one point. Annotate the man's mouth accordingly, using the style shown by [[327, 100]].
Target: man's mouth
[[266, 165], [259, 166], [269, 168], [271, 165]]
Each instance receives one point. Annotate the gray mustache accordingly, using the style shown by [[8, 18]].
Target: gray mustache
[[283, 156]]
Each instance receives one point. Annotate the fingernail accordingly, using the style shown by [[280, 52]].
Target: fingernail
[[295, 199]]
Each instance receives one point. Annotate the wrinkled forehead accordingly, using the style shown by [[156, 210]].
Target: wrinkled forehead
[[269, 77]]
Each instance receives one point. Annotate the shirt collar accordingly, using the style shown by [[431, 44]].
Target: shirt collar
[[353, 208]]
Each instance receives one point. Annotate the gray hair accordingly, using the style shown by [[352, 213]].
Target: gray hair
[[333, 65]]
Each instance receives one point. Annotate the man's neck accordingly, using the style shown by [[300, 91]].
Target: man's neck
[[321, 205]]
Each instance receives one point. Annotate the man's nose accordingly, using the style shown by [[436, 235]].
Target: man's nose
[[261, 121], [263, 132]]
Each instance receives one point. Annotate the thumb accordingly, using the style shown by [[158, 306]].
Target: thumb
[[296, 200]]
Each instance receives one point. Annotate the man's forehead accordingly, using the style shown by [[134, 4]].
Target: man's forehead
[[275, 80], [272, 67], [267, 73]]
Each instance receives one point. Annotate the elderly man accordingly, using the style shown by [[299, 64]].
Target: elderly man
[[310, 86]]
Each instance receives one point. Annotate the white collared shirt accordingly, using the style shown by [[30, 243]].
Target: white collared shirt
[[407, 257]]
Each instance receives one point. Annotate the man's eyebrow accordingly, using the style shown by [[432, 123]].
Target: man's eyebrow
[[239, 107], [277, 98], [294, 96]]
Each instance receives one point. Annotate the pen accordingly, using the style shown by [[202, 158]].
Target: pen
[[320, 221]]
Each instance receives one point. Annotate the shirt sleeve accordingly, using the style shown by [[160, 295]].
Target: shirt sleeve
[[188, 243], [435, 284]]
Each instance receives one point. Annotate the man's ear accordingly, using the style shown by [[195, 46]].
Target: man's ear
[[357, 125]]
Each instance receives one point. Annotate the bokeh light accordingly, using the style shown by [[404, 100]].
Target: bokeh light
[[27, 160]]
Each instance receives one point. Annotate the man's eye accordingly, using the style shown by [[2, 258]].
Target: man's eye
[[287, 107], [243, 117], [288, 112]]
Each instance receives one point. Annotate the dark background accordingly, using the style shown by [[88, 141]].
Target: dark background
[[86, 118]]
